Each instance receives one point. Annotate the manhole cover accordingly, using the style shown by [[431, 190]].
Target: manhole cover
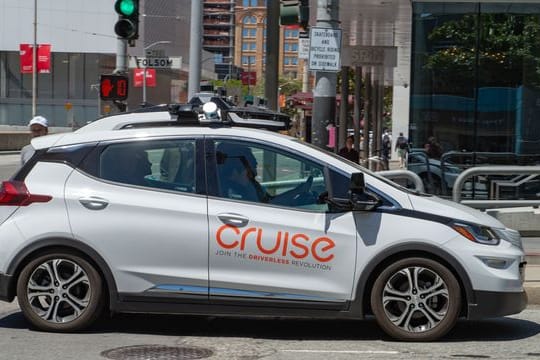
[[156, 352]]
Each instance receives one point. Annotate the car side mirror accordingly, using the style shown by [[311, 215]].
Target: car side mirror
[[358, 200]]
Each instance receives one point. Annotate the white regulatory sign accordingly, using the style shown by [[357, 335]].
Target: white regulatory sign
[[155, 62], [303, 51], [324, 49]]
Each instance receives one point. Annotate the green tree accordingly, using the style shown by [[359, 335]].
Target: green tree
[[509, 50]]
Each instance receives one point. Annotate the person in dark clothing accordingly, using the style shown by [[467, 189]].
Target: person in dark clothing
[[433, 148], [348, 152]]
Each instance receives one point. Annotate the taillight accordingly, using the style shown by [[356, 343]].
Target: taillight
[[15, 193]]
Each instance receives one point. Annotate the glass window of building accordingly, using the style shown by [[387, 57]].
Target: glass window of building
[[252, 32], [476, 77], [250, 20], [294, 47]]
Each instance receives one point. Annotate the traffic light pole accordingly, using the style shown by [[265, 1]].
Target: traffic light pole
[[195, 48], [324, 93], [121, 56], [272, 54]]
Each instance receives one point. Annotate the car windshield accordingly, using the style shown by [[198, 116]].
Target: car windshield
[[363, 169]]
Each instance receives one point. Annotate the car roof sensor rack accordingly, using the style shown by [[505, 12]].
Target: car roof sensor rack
[[268, 124], [193, 115]]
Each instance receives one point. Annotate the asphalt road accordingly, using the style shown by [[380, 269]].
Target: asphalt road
[[515, 337]]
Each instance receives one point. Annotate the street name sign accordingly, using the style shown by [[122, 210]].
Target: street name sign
[[370, 56], [303, 48], [324, 49], [166, 62]]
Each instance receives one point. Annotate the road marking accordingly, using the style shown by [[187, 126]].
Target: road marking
[[345, 351]]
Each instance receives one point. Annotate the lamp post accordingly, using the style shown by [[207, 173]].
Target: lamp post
[[144, 68]]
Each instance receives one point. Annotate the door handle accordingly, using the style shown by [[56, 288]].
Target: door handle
[[94, 203], [233, 219]]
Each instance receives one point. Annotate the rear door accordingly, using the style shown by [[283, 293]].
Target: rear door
[[142, 206]]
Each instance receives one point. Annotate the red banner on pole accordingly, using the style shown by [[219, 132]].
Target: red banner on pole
[[150, 77], [249, 77], [43, 58], [25, 51]]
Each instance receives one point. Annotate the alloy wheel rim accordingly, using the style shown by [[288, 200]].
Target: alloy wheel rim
[[58, 291], [415, 299]]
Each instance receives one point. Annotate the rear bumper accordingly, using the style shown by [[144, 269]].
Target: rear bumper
[[6, 288], [494, 304]]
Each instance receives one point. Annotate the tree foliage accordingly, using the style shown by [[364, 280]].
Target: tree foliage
[[507, 52]]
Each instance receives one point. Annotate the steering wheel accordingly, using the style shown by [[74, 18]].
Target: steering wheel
[[307, 185]]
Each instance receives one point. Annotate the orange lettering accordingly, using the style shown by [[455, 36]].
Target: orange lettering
[[330, 245], [220, 240], [244, 236], [301, 246], [268, 251]]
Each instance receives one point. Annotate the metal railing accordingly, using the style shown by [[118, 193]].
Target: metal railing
[[406, 175], [496, 170]]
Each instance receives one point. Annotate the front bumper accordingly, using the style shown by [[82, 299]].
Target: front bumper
[[495, 304], [6, 289]]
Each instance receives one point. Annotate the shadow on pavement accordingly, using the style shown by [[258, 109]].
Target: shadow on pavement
[[500, 329]]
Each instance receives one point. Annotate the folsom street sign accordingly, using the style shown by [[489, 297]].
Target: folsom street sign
[[137, 62]]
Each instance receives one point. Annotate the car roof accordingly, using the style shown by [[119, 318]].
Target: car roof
[[119, 121], [74, 138]]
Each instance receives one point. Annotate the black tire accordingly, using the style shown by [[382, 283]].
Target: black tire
[[417, 313], [60, 292]]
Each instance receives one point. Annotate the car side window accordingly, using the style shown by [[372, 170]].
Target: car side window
[[167, 164], [256, 173]]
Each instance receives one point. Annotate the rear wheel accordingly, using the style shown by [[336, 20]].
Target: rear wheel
[[60, 292], [416, 299]]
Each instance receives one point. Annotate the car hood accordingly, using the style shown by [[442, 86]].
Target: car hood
[[437, 206]]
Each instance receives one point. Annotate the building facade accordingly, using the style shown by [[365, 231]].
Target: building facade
[[250, 40], [475, 80], [218, 34]]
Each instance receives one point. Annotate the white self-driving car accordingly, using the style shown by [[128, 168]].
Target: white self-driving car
[[166, 213]]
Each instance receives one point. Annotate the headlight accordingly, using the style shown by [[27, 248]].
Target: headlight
[[510, 235], [477, 233]]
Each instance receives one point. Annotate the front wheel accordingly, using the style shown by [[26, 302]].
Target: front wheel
[[416, 299], [60, 292]]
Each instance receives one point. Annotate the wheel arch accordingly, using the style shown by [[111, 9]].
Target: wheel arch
[[33, 250], [361, 304]]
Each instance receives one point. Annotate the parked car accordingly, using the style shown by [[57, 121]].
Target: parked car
[[167, 213]]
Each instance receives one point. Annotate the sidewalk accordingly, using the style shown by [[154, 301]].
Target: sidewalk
[[532, 283]]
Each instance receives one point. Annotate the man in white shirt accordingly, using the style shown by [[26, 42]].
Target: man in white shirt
[[39, 126]]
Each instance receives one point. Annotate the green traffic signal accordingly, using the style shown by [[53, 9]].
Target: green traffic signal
[[127, 26], [125, 7]]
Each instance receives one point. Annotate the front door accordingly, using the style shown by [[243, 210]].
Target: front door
[[270, 235]]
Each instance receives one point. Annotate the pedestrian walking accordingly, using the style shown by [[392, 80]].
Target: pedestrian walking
[[386, 148], [402, 148]]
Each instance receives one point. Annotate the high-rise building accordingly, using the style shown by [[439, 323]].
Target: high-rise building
[[250, 39], [218, 34]]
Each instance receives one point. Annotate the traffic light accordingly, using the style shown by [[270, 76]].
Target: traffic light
[[127, 26], [113, 87], [303, 14], [289, 12], [294, 12]]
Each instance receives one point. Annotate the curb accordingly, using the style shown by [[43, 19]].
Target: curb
[[533, 293]]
